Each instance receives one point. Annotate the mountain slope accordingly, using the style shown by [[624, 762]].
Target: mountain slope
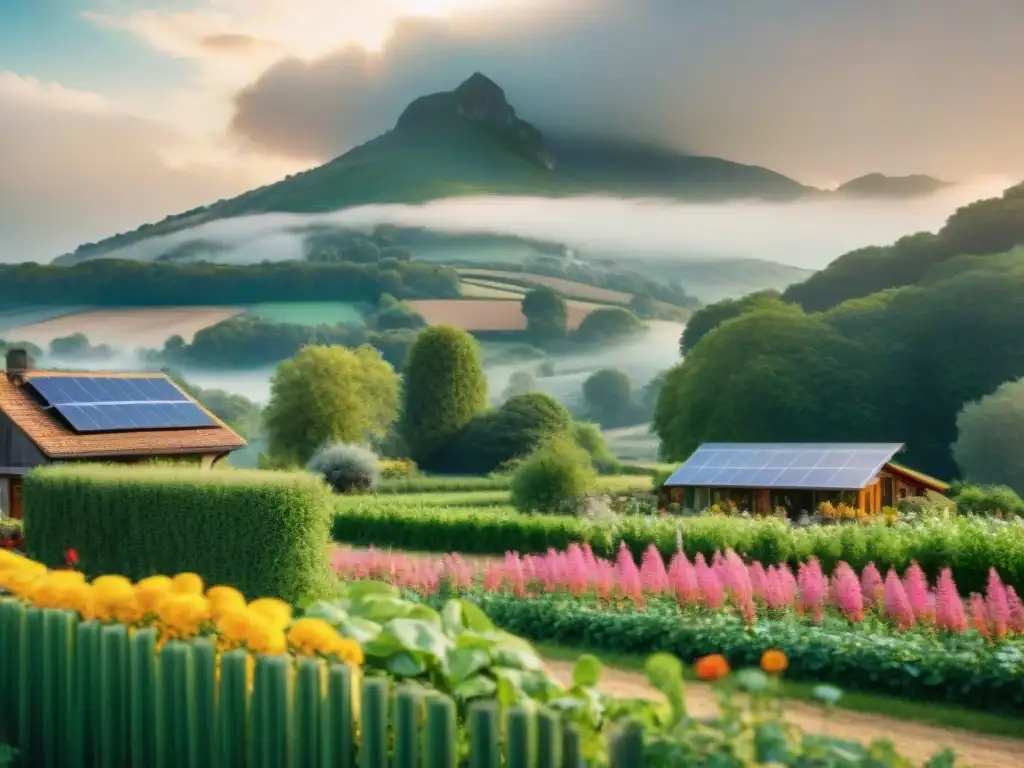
[[634, 168], [470, 141], [880, 185]]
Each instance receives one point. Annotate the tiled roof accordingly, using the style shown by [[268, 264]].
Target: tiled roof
[[57, 441]]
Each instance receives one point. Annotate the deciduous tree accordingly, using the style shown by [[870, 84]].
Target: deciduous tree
[[328, 394], [444, 389]]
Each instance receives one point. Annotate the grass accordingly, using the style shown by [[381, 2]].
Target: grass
[[926, 713], [309, 312], [450, 484], [489, 493], [484, 498]]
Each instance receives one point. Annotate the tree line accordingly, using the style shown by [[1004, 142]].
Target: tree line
[[897, 364], [115, 282], [437, 413]]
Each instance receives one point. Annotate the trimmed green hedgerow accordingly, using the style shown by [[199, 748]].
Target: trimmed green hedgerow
[[969, 547], [265, 533]]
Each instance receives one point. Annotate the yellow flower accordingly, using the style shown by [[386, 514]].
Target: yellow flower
[[182, 615], [82, 599], [114, 596], [151, 591], [264, 637], [17, 573], [223, 599], [309, 637], [55, 589], [188, 584], [233, 627], [349, 651], [275, 611]]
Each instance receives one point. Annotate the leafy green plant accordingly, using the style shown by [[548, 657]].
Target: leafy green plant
[[919, 665], [456, 649], [749, 729]]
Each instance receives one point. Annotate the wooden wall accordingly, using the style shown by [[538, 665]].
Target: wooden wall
[[17, 452]]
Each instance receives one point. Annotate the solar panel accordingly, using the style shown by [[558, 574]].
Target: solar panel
[[842, 466], [111, 404]]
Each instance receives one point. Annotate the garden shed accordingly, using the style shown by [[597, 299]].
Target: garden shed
[[797, 477], [48, 417]]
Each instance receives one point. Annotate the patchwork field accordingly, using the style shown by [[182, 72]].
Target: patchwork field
[[128, 328], [567, 287], [16, 317], [489, 314], [485, 289], [308, 312]]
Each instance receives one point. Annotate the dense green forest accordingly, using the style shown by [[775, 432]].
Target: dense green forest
[[137, 283], [248, 342], [987, 227], [884, 344]]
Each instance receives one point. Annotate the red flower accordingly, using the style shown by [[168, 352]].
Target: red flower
[[71, 557]]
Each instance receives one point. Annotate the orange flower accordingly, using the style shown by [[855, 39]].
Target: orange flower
[[774, 662], [712, 667]]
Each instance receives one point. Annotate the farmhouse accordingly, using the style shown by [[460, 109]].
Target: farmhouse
[[48, 417], [797, 477]]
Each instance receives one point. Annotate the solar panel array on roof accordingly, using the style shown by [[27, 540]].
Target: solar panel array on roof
[[108, 404], [784, 465]]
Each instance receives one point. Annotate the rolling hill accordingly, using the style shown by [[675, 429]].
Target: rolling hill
[[470, 141], [880, 185]]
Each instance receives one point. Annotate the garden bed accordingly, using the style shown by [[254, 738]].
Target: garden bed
[[896, 636], [969, 546]]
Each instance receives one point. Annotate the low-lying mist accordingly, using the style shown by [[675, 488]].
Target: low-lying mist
[[807, 233], [642, 357]]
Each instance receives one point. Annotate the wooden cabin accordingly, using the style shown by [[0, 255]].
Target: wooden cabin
[[48, 417], [797, 477]]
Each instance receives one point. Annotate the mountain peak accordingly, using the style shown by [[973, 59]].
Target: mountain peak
[[479, 100]]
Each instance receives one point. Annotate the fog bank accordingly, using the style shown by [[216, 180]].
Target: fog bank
[[808, 233]]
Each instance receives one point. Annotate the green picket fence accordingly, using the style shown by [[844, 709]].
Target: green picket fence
[[77, 694]]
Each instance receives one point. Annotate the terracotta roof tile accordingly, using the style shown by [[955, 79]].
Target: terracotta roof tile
[[57, 441]]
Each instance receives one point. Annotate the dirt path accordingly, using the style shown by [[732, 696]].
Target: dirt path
[[917, 742]]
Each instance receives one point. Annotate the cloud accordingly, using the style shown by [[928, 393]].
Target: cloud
[[73, 168], [824, 91], [804, 234]]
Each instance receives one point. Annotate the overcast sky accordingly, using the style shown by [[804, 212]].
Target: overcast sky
[[117, 112]]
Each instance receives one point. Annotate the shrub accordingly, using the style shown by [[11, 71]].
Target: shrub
[[393, 469], [557, 473], [519, 426], [346, 468], [987, 500], [264, 533]]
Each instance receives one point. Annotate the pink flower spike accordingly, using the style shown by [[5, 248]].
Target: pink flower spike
[[997, 604], [871, 585], [949, 608], [895, 602]]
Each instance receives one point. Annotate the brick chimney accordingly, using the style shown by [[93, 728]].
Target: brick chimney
[[17, 364]]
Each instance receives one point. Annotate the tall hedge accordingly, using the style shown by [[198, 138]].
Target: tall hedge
[[444, 389], [265, 533]]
